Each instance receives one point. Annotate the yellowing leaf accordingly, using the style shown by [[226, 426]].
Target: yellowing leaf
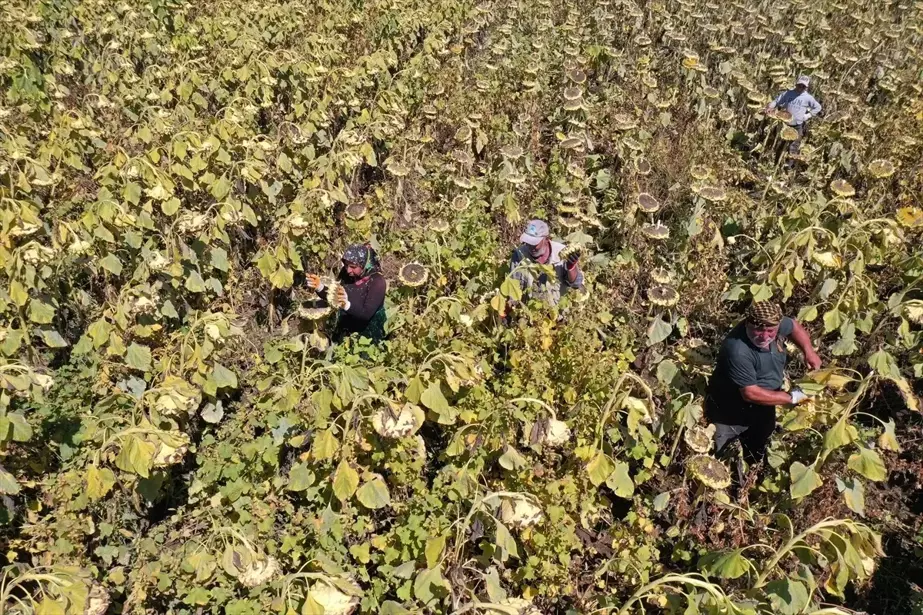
[[805, 479], [99, 482], [345, 481], [374, 494], [599, 469], [869, 464]]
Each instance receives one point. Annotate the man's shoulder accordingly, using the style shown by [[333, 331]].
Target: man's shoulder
[[735, 344]]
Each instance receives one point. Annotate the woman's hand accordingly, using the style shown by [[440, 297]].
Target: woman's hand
[[312, 281]]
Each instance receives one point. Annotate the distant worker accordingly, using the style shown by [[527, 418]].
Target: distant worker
[[801, 105], [746, 386], [538, 248], [361, 296]]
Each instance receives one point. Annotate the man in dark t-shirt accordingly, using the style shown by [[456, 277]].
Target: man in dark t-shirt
[[746, 386]]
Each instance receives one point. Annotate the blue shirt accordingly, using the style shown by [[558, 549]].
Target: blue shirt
[[801, 105]]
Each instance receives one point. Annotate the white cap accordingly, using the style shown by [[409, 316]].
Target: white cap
[[803, 80]]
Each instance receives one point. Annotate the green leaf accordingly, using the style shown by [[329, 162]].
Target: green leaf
[[99, 482], [345, 481], [841, 434], [868, 463], [223, 377], [495, 590], [433, 398], [511, 459], [8, 483], [599, 468], [300, 477], [21, 430], [512, 289], [138, 357], [433, 550], [112, 264], [195, 283], [170, 206], [430, 586], [853, 491], [787, 597], [53, 339], [885, 364], [506, 543], [282, 277], [805, 479], [219, 259], [620, 481], [132, 193], [761, 292], [374, 493], [726, 565], [658, 331], [832, 321], [41, 313], [18, 293]]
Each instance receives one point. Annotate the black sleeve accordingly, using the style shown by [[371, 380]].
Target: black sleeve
[[365, 300]]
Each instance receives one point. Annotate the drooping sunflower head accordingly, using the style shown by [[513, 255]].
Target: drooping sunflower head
[[709, 471], [413, 274], [657, 231], [647, 203], [841, 187], [356, 211], [880, 169], [663, 295]]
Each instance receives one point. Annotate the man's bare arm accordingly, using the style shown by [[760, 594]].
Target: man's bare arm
[[802, 339], [764, 397]]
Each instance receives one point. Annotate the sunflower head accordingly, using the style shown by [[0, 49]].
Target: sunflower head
[[880, 169], [657, 231], [356, 211], [663, 295], [413, 274], [841, 187], [647, 203], [709, 471]]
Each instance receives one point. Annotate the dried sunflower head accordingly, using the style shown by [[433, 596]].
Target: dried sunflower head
[[712, 194], [647, 203], [663, 295], [657, 231], [841, 187], [460, 203], [880, 169], [699, 438], [662, 275], [413, 274], [440, 226], [356, 211], [709, 471]]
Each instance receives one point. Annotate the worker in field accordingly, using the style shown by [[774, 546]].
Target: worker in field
[[537, 248], [359, 294], [746, 386], [801, 105]]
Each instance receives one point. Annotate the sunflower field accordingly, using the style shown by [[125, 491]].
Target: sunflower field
[[178, 434]]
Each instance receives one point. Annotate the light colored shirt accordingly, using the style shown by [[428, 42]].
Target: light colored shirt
[[801, 105], [538, 285]]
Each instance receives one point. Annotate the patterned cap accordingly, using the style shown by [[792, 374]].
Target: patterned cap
[[764, 313], [536, 231]]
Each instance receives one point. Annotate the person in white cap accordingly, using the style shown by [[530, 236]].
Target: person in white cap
[[538, 248], [801, 105]]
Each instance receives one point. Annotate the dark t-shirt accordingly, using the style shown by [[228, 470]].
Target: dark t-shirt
[[740, 364]]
